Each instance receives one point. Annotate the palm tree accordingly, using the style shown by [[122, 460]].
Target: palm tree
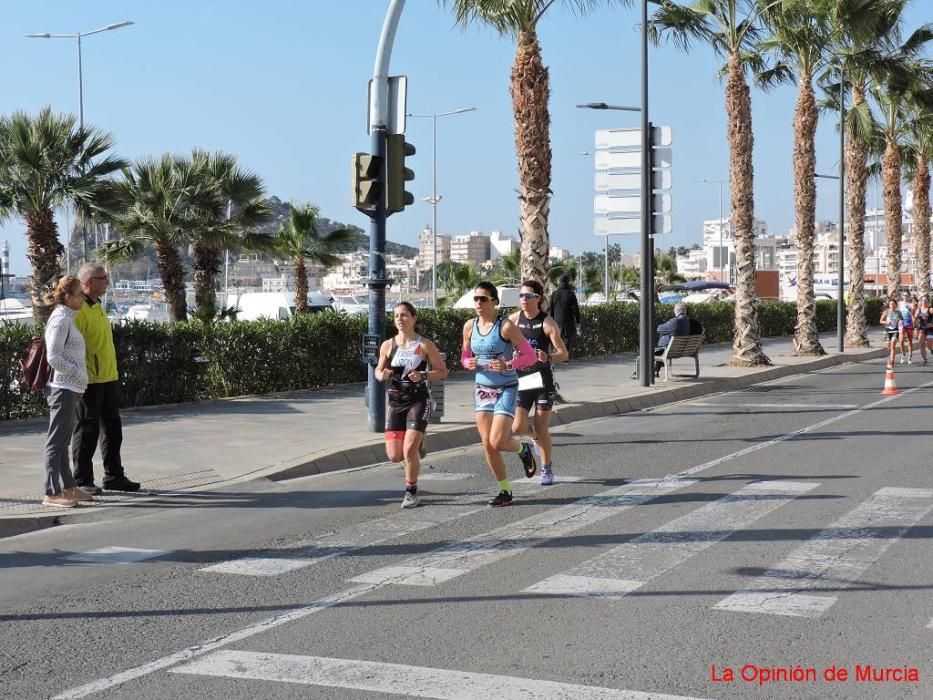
[[801, 33], [530, 90], [160, 204], [47, 161], [731, 28], [892, 90], [300, 240], [228, 221], [508, 268], [457, 279], [917, 169], [863, 34]]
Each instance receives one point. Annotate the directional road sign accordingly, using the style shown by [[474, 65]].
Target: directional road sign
[[621, 182], [631, 138], [604, 226], [631, 205]]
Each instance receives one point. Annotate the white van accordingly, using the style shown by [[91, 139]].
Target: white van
[[252, 306]]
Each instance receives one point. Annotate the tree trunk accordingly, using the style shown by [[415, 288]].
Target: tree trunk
[[922, 221], [856, 186], [44, 252], [301, 285], [530, 92], [206, 265], [173, 279], [746, 347], [806, 336], [891, 183]]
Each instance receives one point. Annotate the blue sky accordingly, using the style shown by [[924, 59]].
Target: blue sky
[[282, 84]]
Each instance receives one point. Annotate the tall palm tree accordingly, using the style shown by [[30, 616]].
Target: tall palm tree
[[48, 161], [228, 221], [160, 203], [801, 34], [863, 35], [917, 168], [892, 90], [530, 90], [300, 240], [731, 28]]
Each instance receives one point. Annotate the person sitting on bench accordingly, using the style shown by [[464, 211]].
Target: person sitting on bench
[[679, 325]]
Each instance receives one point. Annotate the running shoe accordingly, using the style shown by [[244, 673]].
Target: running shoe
[[409, 500], [547, 476], [910, 359], [925, 362], [903, 359], [529, 456], [503, 499]]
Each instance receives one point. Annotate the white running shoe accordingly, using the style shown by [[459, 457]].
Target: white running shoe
[[409, 500]]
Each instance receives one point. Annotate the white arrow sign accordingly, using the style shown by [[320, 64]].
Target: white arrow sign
[[607, 204], [621, 227], [609, 160], [631, 138], [611, 182]]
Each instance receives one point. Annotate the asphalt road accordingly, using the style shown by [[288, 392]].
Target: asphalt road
[[780, 534]]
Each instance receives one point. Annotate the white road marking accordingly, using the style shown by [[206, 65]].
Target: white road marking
[[115, 555], [631, 565], [825, 406], [444, 476], [837, 556], [467, 555], [802, 431], [210, 645], [366, 534], [394, 679]]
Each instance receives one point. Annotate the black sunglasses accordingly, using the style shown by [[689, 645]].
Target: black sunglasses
[[528, 295], [482, 298]]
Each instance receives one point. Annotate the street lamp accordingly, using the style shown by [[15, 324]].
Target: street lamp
[[435, 197], [721, 223], [78, 36]]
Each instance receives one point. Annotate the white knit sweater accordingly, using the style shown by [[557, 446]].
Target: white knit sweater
[[65, 351]]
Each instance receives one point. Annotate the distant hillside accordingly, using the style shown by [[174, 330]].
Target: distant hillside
[[326, 226]]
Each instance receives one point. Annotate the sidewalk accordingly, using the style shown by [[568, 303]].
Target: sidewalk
[[193, 446]]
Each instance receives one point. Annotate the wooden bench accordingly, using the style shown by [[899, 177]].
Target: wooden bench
[[681, 346]]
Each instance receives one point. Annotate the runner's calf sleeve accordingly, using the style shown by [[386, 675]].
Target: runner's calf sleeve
[[465, 355], [525, 356]]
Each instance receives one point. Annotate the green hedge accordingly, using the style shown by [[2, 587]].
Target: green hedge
[[192, 361]]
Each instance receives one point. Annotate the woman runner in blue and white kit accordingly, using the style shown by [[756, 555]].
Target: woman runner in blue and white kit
[[495, 348]]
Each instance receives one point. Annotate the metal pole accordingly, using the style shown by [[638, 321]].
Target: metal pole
[[721, 225], [646, 344], [606, 275], [80, 89], [434, 218], [378, 109], [840, 302]]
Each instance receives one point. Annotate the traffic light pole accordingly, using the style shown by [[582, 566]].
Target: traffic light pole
[[646, 300], [378, 115]]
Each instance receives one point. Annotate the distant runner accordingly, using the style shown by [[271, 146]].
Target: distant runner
[[892, 321], [403, 362], [905, 306], [924, 327]]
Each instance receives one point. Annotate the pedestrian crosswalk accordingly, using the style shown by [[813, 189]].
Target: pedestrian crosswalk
[[839, 554]]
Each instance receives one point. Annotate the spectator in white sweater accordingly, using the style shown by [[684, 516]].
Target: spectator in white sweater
[[65, 352]]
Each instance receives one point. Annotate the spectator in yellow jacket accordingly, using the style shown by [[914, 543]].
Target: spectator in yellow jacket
[[98, 412]]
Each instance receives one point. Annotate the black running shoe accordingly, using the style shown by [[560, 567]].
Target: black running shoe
[[527, 456], [503, 499]]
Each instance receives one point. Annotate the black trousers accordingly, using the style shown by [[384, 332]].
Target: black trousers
[[97, 418]]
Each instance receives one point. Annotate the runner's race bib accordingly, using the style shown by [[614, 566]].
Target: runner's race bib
[[530, 382], [487, 396]]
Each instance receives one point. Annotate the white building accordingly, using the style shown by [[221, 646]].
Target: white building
[[558, 255], [425, 259], [502, 245]]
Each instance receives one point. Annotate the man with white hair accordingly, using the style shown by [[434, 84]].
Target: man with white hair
[[679, 325], [98, 411]]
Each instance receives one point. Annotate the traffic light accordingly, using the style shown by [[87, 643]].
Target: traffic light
[[367, 188], [397, 149]]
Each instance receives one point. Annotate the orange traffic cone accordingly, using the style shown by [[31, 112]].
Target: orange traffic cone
[[889, 386]]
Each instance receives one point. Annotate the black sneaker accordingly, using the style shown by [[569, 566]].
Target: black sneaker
[[503, 499], [121, 483], [529, 462], [90, 488]]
